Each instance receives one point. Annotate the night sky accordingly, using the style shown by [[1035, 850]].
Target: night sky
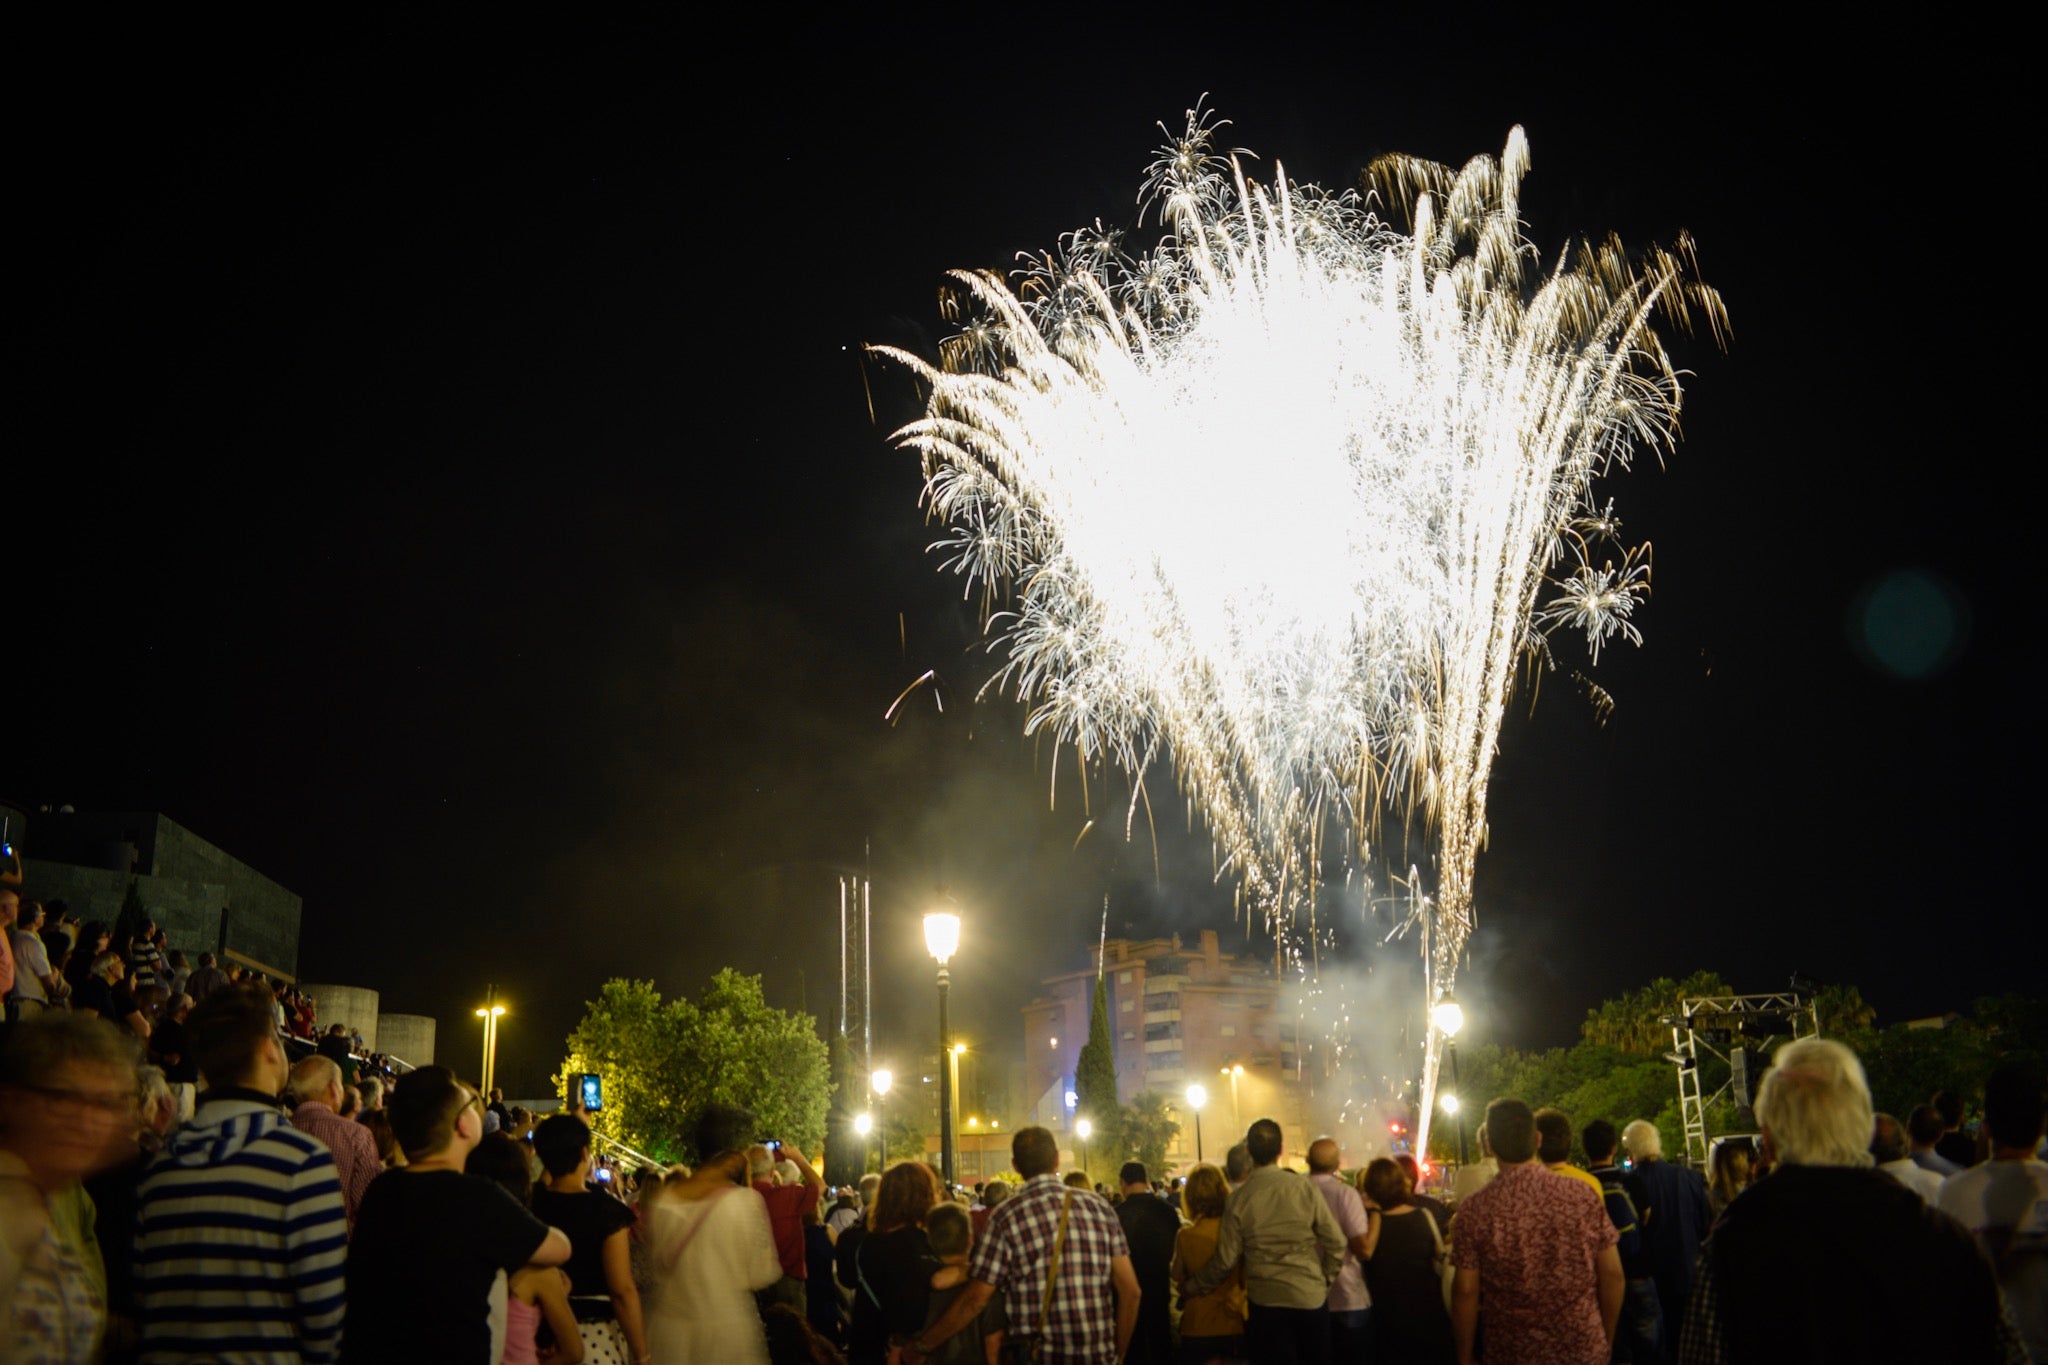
[[443, 474]]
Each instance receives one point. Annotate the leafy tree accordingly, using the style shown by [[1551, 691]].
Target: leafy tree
[[663, 1061], [1095, 1072], [1634, 1023], [906, 1139], [1143, 1131]]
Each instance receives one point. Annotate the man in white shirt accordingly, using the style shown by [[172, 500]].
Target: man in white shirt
[[1889, 1149], [2004, 1201], [1350, 1303]]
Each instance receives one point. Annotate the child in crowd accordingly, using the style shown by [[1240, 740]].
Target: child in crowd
[[951, 1231]]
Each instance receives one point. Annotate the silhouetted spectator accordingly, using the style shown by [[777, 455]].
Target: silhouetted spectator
[[431, 1240], [1827, 1260]]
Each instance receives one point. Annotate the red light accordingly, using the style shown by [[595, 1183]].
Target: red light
[[1393, 1127], [1425, 1168]]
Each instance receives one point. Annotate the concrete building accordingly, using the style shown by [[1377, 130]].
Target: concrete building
[[205, 899], [1178, 1016]]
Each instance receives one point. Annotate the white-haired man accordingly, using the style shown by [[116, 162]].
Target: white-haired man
[[1671, 1202], [1828, 1260]]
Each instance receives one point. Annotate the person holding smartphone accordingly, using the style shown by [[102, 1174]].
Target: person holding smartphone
[[787, 1205]]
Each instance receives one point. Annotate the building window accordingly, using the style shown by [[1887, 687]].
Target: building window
[[1228, 1030], [1052, 1042], [1126, 1006], [1123, 978], [1129, 1034]]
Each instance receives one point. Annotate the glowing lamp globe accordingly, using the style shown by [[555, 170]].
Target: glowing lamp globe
[[1197, 1097], [942, 935], [1448, 1016]]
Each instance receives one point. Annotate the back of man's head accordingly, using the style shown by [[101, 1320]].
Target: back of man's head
[[1133, 1173], [312, 1077], [994, 1193], [426, 1109], [1815, 1105], [1323, 1156], [206, 960], [1511, 1127], [1643, 1141], [1262, 1140], [1237, 1164], [870, 1184], [1553, 1136], [1887, 1140], [1034, 1152], [722, 1129], [1923, 1125], [1598, 1138], [1949, 1105], [560, 1140], [950, 1229], [2012, 1106], [760, 1163], [229, 1033]]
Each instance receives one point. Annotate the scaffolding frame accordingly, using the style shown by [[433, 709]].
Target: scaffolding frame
[[1739, 1016]]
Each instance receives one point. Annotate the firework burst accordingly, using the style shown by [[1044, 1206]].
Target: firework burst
[[1282, 502]]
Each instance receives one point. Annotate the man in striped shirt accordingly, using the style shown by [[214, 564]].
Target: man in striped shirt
[[240, 1231]]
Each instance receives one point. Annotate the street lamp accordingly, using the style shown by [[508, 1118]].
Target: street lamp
[[1197, 1097], [1449, 1016], [879, 1083], [942, 938], [490, 1014], [1082, 1128]]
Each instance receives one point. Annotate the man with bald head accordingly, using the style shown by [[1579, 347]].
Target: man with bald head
[[315, 1091], [1350, 1304]]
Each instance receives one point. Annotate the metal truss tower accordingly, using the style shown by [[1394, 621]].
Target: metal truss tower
[[1719, 1025]]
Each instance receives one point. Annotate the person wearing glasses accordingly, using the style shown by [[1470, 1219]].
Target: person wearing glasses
[[67, 1097], [435, 1245]]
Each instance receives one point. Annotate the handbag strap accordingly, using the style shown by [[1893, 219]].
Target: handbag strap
[[667, 1258], [1435, 1235], [1052, 1271]]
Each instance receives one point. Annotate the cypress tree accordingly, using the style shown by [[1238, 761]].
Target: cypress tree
[[1095, 1073]]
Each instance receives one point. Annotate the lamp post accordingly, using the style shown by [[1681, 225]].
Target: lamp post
[[1197, 1097], [1082, 1128], [879, 1083], [942, 938], [490, 1014], [1449, 1016]]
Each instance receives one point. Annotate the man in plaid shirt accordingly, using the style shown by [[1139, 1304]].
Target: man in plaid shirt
[[1094, 1305]]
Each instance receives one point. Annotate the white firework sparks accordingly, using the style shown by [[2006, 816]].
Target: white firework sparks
[[1278, 501]]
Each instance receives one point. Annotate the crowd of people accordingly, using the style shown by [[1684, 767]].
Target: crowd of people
[[302, 1209], [51, 962]]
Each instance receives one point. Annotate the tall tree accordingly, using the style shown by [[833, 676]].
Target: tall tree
[[1095, 1073], [662, 1061]]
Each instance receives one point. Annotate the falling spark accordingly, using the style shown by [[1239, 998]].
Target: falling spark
[[1287, 499], [927, 676]]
